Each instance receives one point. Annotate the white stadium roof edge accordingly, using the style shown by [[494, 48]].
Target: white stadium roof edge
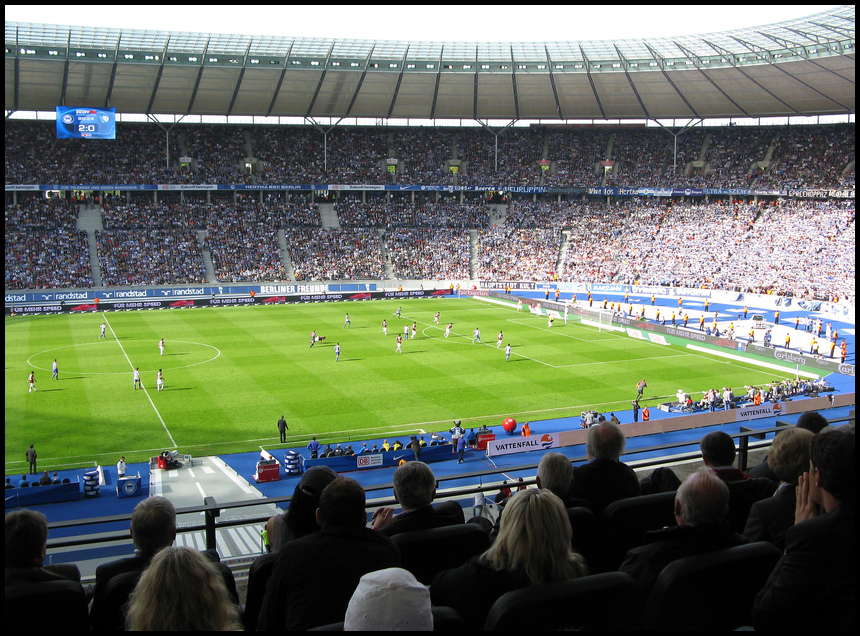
[[800, 67]]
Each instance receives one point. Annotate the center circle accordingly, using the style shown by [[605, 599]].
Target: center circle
[[128, 355]]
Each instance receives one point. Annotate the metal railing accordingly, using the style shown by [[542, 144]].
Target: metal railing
[[212, 510]]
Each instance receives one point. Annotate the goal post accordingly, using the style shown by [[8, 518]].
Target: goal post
[[600, 319], [604, 320]]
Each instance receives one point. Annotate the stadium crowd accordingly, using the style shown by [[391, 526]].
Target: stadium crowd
[[731, 157], [429, 253], [781, 245], [332, 254], [149, 257], [797, 247], [43, 247]]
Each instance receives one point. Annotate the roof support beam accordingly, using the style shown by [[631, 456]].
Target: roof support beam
[[591, 82], [112, 77], [65, 72], [436, 88], [657, 56], [514, 87], [812, 88], [197, 81], [239, 80], [157, 82], [320, 83], [399, 80], [360, 80], [632, 84], [552, 84], [280, 82]]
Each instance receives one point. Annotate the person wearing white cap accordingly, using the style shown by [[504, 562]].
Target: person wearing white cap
[[390, 600]]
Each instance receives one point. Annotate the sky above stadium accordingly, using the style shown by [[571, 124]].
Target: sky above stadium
[[450, 23]]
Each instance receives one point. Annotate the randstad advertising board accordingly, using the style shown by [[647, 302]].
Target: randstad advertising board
[[515, 444]]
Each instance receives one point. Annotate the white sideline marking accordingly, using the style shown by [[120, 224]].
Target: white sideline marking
[[160, 419], [232, 476], [758, 363]]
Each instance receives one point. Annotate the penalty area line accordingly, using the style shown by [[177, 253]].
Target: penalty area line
[[148, 396]]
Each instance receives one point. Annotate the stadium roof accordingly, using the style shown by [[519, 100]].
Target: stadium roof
[[798, 67]]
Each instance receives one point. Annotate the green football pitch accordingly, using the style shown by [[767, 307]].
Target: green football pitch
[[230, 373]]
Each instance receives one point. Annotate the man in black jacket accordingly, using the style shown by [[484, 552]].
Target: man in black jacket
[[414, 489], [316, 575], [604, 479], [813, 585], [701, 504], [153, 527]]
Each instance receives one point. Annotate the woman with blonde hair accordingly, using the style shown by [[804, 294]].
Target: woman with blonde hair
[[181, 590], [532, 548]]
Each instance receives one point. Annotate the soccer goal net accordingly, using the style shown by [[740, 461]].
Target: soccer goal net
[[600, 319]]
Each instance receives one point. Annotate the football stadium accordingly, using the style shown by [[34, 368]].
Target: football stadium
[[401, 334]]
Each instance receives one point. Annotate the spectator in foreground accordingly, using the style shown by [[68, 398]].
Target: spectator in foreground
[[718, 453], [813, 585], [533, 548], [812, 421], [554, 473], [770, 518], [25, 547], [701, 504], [153, 528], [414, 489], [181, 590], [300, 518], [604, 478], [390, 600], [315, 576]]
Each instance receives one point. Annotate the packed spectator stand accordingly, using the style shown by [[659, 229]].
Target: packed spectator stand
[[766, 243]]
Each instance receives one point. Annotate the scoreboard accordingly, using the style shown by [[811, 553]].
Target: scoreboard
[[86, 123]]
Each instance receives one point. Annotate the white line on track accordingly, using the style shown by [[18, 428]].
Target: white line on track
[[148, 396]]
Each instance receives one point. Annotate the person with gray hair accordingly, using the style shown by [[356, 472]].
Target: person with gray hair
[[770, 518], [415, 489], [604, 478], [554, 473], [811, 421], [153, 527], [701, 504]]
